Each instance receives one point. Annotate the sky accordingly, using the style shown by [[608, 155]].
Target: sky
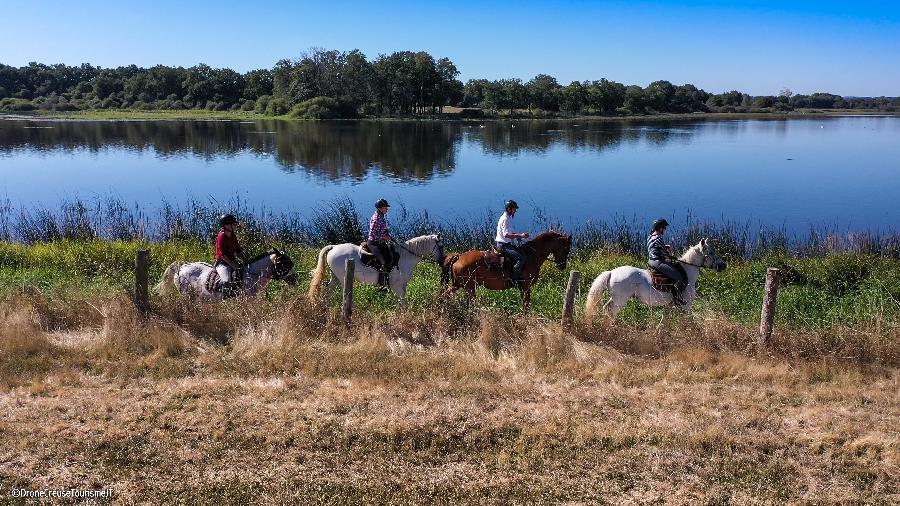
[[847, 48]]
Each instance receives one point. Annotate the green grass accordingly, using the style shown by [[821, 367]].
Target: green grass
[[847, 289]]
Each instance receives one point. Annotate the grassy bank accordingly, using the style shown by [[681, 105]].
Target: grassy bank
[[450, 114], [842, 304]]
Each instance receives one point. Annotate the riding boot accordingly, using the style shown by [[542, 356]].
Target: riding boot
[[384, 280]]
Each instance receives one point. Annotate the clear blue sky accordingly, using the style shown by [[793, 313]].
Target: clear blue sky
[[848, 48]]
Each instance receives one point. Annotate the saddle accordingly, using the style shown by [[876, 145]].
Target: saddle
[[369, 259], [662, 282], [495, 261], [214, 282]]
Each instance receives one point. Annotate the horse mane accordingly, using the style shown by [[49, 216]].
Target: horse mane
[[258, 257], [417, 244], [544, 236]]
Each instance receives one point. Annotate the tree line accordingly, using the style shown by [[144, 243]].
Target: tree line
[[342, 84]]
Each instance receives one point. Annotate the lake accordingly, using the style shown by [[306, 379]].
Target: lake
[[841, 172]]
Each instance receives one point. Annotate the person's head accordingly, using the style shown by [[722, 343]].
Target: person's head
[[228, 222], [511, 207], [382, 206], [660, 226]]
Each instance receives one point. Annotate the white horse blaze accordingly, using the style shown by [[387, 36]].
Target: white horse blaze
[[626, 282]]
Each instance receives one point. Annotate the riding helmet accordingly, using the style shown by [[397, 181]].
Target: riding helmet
[[381, 203], [658, 224], [511, 204], [227, 219]]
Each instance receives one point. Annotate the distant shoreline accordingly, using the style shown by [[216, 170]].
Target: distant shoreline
[[203, 115]]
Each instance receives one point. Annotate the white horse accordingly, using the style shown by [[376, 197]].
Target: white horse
[[200, 280], [411, 253], [626, 282]]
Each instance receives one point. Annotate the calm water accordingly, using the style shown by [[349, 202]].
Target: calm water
[[840, 171]]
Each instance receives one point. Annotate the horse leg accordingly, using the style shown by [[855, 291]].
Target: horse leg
[[399, 288], [662, 317], [526, 298]]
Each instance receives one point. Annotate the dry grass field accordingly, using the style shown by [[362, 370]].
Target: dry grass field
[[466, 405]]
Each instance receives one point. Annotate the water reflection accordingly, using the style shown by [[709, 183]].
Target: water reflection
[[407, 151]]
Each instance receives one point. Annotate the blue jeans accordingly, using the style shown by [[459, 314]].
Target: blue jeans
[[674, 273], [512, 253]]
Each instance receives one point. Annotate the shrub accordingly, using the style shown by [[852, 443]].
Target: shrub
[[16, 104], [262, 103], [278, 107], [316, 108], [249, 105]]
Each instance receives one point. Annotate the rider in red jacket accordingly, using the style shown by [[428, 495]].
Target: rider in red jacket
[[228, 250]]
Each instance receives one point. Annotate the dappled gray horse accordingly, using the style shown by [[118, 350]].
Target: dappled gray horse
[[200, 280]]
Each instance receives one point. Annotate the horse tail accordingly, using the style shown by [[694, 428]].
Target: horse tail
[[600, 285], [168, 278], [447, 270], [318, 274]]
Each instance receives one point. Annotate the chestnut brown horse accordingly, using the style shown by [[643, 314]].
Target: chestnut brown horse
[[469, 270]]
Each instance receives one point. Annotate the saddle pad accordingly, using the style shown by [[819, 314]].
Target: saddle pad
[[370, 260]]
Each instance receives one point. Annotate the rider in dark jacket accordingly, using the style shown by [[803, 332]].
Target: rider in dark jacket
[[661, 259]]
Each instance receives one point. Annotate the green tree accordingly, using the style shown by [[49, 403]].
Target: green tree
[[543, 93]]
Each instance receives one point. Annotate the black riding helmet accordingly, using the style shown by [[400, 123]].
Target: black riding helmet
[[511, 204], [381, 203], [660, 223], [227, 219]]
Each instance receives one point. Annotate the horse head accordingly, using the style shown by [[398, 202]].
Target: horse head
[[439, 246], [284, 267], [562, 247], [711, 260], [553, 243]]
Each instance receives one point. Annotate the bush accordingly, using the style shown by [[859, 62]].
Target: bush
[[322, 108], [16, 104], [470, 112], [278, 107], [249, 105], [262, 104], [316, 108]]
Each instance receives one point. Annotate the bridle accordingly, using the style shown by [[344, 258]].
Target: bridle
[[700, 266]]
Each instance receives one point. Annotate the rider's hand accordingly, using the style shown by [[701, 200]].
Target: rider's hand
[[526, 235]]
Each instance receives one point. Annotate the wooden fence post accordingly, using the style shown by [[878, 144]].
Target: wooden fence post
[[770, 300], [569, 301], [142, 281], [347, 305]]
